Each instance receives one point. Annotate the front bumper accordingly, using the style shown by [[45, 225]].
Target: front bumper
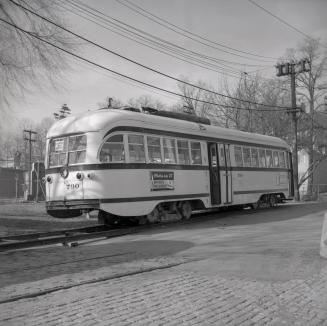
[[75, 204]]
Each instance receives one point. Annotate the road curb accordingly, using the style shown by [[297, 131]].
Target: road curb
[[323, 241]]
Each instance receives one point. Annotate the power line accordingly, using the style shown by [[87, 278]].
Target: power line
[[141, 11], [280, 19], [82, 6], [134, 79], [139, 64], [230, 73]]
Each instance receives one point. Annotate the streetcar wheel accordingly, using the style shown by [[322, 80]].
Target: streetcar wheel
[[154, 216], [255, 206], [107, 218], [186, 210]]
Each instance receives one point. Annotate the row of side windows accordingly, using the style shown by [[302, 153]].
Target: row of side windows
[[151, 149], [260, 157]]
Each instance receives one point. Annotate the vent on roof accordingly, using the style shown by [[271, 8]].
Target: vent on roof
[[183, 116]]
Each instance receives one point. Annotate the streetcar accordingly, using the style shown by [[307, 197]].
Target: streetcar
[[149, 166]]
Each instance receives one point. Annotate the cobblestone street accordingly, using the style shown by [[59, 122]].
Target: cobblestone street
[[242, 268]]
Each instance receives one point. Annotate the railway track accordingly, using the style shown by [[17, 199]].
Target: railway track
[[72, 236], [65, 237]]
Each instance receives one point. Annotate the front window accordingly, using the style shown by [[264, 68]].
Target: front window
[[113, 150], [67, 150], [76, 149]]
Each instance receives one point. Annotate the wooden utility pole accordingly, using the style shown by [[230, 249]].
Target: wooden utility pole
[[28, 136], [292, 69]]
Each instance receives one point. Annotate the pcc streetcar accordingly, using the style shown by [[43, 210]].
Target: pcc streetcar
[[149, 166]]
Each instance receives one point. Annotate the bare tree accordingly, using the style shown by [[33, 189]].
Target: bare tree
[[146, 101], [312, 88], [27, 63]]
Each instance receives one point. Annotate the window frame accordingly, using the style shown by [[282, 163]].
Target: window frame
[[136, 144], [241, 151], [191, 157], [188, 150], [105, 141], [67, 151]]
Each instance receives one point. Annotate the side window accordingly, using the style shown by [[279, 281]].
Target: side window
[[154, 149], [281, 160], [262, 158], [269, 158], [113, 150], [76, 149], [169, 150], [136, 148], [183, 152], [196, 156], [247, 156], [238, 156], [275, 159], [254, 157]]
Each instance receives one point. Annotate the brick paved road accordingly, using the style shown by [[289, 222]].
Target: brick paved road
[[243, 269]]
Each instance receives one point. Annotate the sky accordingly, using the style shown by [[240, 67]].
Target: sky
[[237, 24]]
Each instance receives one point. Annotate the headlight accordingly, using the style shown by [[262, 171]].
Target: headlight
[[79, 176], [64, 172]]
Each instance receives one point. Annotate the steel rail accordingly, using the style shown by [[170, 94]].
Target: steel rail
[[65, 239], [28, 236]]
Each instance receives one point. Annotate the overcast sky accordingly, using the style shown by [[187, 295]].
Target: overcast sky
[[238, 24]]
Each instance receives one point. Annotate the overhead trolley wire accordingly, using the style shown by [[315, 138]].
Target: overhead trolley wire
[[279, 19], [82, 6], [135, 62], [141, 11], [227, 71], [277, 108]]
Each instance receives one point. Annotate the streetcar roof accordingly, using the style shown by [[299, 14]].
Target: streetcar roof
[[106, 119]]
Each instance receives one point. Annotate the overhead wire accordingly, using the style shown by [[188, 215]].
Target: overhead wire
[[31, 34], [138, 32], [279, 19], [142, 65], [119, 79], [132, 6], [198, 63]]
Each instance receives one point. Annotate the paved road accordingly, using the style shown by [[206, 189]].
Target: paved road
[[237, 268]]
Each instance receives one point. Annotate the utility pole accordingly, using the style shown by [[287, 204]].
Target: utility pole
[[28, 136], [291, 69]]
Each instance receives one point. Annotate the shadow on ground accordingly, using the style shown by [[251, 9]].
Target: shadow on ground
[[32, 265]]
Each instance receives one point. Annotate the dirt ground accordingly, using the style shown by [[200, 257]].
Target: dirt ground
[[20, 218]]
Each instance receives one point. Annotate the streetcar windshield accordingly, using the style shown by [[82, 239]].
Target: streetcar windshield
[[67, 150]]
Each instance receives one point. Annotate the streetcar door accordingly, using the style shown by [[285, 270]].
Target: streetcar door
[[225, 173], [214, 174]]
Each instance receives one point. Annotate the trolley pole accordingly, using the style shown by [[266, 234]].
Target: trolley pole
[[292, 69], [28, 136]]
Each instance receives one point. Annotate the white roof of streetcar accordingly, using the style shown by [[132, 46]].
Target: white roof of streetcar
[[106, 119]]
